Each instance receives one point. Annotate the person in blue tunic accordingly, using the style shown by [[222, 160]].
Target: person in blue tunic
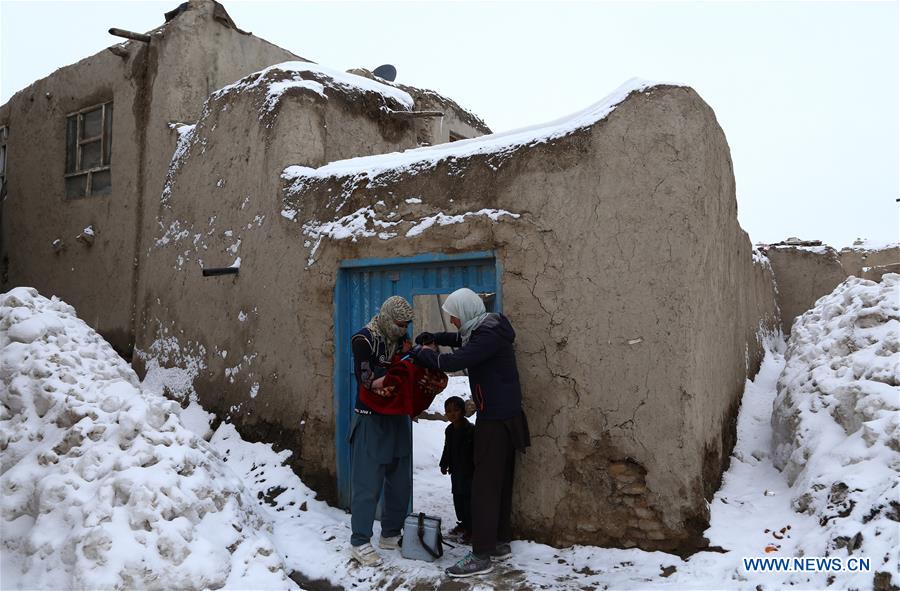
[[380, 444], [484, 346]]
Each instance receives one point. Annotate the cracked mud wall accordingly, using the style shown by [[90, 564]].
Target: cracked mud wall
[[185, 57], [648, 308], [870, 263], [636, 300], [94, 278], [258, 345], [803, 276], [632, 288], [197, 55]]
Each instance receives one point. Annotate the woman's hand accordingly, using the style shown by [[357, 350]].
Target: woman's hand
[[425, 338]]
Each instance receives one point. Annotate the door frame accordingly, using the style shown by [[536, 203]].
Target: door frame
[[342, 404]]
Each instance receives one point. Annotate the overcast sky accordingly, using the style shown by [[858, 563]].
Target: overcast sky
[[807, 92]]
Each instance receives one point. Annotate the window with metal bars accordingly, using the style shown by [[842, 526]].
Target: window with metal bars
[[89, 151]]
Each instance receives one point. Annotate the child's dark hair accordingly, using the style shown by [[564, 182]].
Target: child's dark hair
[[457, 402]]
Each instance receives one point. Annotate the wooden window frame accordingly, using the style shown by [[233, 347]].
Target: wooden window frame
[[104, 138]]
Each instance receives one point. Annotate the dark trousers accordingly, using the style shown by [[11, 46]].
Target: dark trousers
[[492, 486], [462, 500], [379, 461]]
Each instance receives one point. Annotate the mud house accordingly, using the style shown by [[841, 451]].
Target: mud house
[[85, 153], [610, 238], [87, 150]]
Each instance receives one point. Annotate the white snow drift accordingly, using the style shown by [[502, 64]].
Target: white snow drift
[[836, 421], [102, 485]]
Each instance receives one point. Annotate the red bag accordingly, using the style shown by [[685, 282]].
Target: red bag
[[408, 397]]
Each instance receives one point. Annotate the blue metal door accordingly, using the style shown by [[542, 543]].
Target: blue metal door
[[362, 286]]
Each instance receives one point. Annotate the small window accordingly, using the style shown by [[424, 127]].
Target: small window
[[455, 137], [89, 151], [4, 133]]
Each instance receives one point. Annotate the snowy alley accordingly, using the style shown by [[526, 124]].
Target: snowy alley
[[108, 484]]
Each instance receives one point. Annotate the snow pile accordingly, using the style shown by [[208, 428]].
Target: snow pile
[[313, 537], [103, 487], [836, 421]]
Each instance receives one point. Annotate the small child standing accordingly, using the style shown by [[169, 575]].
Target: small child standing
[[458, 459]]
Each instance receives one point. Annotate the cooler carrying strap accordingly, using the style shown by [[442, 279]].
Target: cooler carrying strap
[[440, 549]]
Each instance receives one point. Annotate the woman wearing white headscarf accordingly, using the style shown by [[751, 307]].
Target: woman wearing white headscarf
[[484, 347]]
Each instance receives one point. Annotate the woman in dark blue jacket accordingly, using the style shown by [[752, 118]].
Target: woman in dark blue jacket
[[484, 347]]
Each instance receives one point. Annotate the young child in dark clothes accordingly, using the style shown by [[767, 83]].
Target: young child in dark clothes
[[458, 459]]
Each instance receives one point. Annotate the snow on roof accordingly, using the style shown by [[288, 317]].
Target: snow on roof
[[818, 247], [760, 258], [324, 77], [368, 222], [427, 157], [869, 244]]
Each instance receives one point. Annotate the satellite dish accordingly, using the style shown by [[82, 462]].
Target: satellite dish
[[386, 72]]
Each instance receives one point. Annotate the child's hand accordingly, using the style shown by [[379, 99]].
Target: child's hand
[[386, 392]]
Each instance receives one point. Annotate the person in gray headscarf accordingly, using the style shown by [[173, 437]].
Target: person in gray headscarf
[[484, 347], [380, 443]]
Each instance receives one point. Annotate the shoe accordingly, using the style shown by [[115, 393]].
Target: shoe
[[470, 566], [501, 551], [366, 555], [389, 543], [459, 534], [457, 529]]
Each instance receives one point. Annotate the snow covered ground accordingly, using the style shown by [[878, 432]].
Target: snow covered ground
[[90, 499]]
